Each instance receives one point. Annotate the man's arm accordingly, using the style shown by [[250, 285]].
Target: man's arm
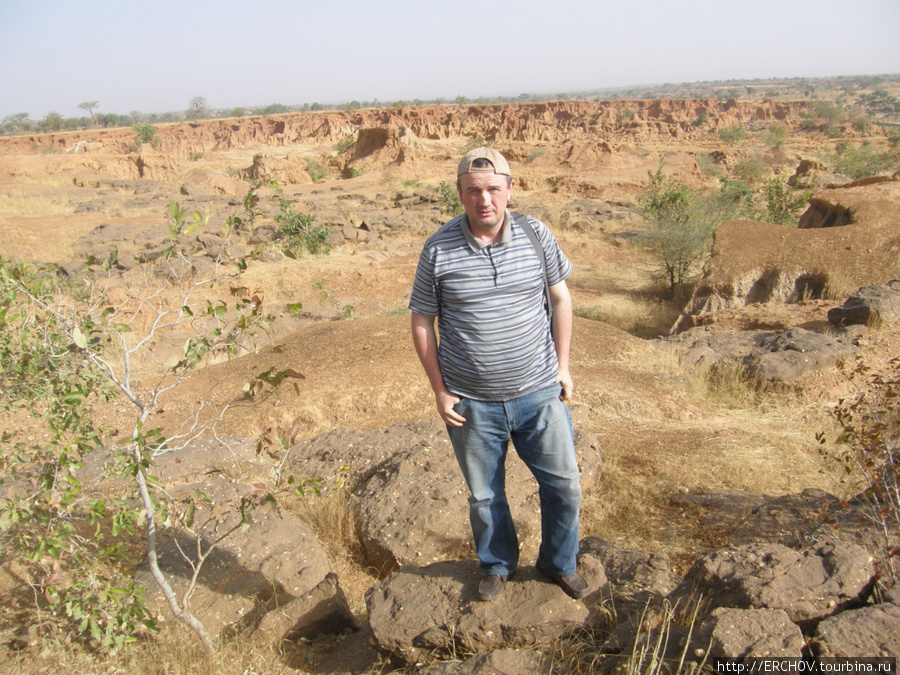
[[425, 342], [561, 328]]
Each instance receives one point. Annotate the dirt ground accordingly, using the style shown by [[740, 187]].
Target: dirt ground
[[661, 434]]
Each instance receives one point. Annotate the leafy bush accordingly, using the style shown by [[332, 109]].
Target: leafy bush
[[60, 356], [783, 205], [752, 169], [733, 135], [449, 198], [315, 170], [345, 144], [299, 230], [776, 134], [146, 133], [863, 161]]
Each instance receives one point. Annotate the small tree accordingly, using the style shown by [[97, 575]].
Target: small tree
[[63, 350], [679, 232], [52, 121], [89, 106]]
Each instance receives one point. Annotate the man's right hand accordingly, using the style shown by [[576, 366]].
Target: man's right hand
[[445, 402]]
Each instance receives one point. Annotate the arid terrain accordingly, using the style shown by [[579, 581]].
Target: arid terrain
[[579, 166]]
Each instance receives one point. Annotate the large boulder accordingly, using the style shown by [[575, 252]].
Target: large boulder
[[410, 500], [771, 358], [738, 633]]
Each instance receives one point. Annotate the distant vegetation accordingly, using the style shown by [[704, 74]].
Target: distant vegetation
[[859, 99], [681, 221]]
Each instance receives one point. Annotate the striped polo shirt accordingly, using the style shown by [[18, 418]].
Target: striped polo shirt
[[494, 335]]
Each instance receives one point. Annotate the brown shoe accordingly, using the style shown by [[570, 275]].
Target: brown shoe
[[575, 586], [490, 587]]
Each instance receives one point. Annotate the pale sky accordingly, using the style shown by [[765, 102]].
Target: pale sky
[[156, 55]]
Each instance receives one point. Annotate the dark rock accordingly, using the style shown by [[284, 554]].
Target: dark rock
[[871, 305]]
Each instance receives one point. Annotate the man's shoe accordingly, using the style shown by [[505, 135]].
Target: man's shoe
[[490, 587], [575, 586]]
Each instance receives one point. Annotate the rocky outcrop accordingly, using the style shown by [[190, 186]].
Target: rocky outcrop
[[418, 613], [809, 585], [770, 358], [849, 237], [246, 576], [786, 586]]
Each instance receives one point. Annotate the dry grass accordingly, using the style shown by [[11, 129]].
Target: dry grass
[[175, 651], [23, 204]]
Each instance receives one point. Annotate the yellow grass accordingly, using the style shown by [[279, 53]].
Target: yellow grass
[[21, 203]]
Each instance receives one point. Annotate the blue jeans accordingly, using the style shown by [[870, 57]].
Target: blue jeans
[[541, 430]]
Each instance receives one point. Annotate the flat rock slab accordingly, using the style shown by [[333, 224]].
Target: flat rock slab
[[421, 613], [498, 662], [868, 631], [737, 633], [771, 357], [809, 585]]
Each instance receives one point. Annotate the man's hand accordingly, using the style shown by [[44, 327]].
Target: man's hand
[[445, 402], [565, 381]]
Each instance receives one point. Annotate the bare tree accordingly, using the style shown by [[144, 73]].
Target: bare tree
[[197, 108], [89, 106]]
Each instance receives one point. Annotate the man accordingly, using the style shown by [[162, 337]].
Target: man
[[500, 369]]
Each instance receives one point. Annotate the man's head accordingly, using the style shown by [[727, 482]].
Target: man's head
[[484, 184]]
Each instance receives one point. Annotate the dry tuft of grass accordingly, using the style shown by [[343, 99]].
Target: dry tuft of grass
[[22, 204]]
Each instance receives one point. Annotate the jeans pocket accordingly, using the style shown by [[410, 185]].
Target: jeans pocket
[[461, 406]]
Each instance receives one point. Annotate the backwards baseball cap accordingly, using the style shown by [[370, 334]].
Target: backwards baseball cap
[[494, 157]]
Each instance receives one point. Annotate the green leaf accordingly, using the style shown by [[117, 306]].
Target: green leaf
[[295, 307], [79, 338]]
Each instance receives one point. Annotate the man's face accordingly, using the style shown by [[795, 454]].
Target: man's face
[[484, 196]]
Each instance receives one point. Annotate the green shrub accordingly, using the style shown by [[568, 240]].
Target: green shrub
[[752, 169], [315, 170], [299, 230], [449, 197], [678, 235], [733, 135], [863, 161], [146, 133], [776, 134], [783, 205], [345, 144], [709, 167]]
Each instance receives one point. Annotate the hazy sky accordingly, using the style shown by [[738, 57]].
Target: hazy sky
[[155, 56]]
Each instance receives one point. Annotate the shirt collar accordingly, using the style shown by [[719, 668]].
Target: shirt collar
[[476, 244]]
